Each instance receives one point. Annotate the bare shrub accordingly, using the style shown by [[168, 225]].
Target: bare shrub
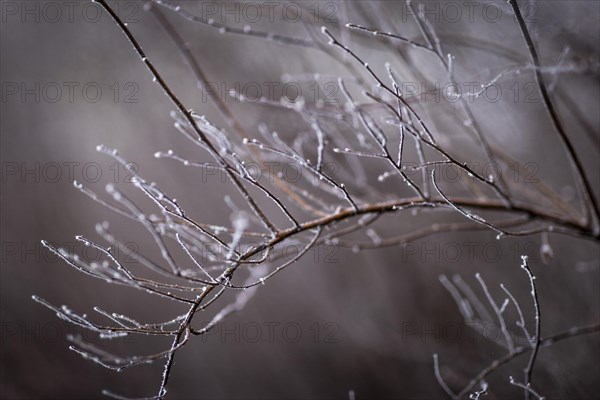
[[340, 149]]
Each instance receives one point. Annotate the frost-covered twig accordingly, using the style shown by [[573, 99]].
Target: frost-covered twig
[[535, 344]]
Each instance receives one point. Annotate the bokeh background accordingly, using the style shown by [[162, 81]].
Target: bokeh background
[[356, 312]]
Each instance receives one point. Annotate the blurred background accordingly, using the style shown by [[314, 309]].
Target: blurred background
[[338, 320]]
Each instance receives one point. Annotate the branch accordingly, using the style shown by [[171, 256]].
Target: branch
[[582, 179]]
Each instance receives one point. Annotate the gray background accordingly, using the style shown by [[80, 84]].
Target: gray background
[[370, 297]]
